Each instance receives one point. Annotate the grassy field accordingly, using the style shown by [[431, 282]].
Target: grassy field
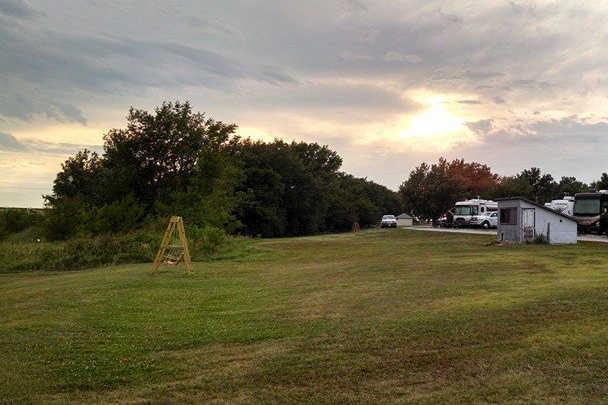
[[381, 316]]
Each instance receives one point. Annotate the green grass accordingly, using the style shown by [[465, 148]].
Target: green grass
[[381, 316]]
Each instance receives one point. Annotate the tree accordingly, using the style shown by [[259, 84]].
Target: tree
[[359, 200], [81, 176], [570, 186], [210, 198], [513, 186], [285, 187], [542, 185], [430, 191], [157, 154], [601, 184], [476, 179], [166, 161]]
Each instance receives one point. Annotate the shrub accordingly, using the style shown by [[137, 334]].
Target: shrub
[[208, 240], [64, 220], [15, 220], [79, 253], [119, 216], [3, 231]]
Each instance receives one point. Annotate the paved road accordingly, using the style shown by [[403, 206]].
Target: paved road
[[581, 238]]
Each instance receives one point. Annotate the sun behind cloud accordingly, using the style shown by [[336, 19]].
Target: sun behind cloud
[[435, 127]]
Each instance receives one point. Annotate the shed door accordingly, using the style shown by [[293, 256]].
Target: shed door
[[527, 223]]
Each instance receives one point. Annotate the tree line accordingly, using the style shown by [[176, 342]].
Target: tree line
[[431, 190], [174, 161]]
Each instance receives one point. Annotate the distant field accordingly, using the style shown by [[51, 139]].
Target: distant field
[[380, 316]]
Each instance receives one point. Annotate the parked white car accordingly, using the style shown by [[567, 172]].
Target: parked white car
[[388, 221]]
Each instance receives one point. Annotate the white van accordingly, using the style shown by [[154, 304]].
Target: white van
[[475, 212]]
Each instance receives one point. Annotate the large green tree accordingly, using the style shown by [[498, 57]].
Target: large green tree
[[602, 183], [569, 186], [157, 153], [531, 184], [171, 160], [285, 186]]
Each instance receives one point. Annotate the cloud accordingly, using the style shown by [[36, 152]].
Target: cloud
[[59, 148], [16, 8], [50, 73], [354, 56], [10, 143], [482, 75], [480, 127], [393, 56], [356, 5], [468, 102], [562, 147], [21, 100]]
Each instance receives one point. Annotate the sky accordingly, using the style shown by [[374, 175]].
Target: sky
[[386, 84]]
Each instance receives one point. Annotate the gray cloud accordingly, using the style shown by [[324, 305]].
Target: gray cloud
[[50, 73], [482, 75], [10, 143], [356, 5], [16, 8], [563, 147], [480, 127], [59, 148]]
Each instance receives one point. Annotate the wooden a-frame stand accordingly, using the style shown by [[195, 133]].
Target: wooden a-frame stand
[[174, 253]]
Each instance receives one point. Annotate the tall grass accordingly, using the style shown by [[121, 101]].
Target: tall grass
[[136, 247]]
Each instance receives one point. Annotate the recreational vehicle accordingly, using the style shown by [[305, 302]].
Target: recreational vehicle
[[591, 212], [565, 206], [474, 212]]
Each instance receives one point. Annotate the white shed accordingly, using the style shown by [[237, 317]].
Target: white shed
[[521, 220], [404, 220]]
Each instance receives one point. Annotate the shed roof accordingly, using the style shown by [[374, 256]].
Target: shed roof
[[404, 216], [537, 205]]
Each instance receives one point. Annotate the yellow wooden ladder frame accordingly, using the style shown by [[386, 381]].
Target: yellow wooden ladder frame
[[175, 223]]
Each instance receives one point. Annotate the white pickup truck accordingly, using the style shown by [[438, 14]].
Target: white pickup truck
[[487, 220]]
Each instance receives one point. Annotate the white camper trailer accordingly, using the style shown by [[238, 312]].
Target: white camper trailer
[[475, 212], [565, 206]]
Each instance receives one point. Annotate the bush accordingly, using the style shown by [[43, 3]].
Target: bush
[[540, 239], [80, 253], [3, 232], [62, 221], [119, 216], [15, 220], [208, 240]]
